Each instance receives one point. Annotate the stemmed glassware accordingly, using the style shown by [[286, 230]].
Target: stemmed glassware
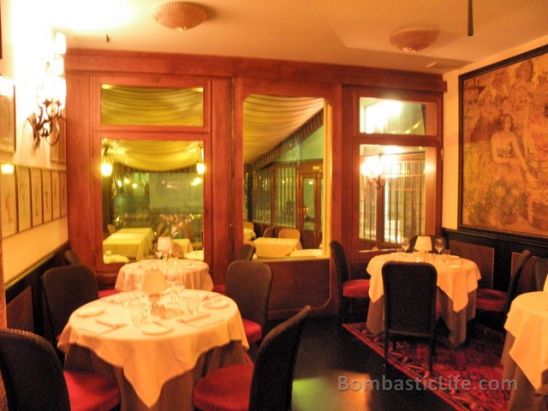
[[405, 245], [439, 244]]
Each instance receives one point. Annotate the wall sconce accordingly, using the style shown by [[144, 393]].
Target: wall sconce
[[106, 163], [372, 168], [46, 120], [7, 169], [200, 165]]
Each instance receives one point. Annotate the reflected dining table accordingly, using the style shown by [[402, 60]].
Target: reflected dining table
[[189, 273], [525, 352], [272, 247], [457, 283], [132, 242], [155, 363]]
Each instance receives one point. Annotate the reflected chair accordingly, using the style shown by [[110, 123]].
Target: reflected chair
[[67, 288], [349, 289], [289, 233], [409, 303], [496, 301], [248, 283], [34, 380], [72, 259], [249, 225], [541, 271], [246, 252], [267, 386], [269, 231]]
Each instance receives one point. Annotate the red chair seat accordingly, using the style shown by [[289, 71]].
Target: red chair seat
[[356, 289], [91, 392], [488, 299], [253, 331], [107, 292], [219, 288], [226, 389]]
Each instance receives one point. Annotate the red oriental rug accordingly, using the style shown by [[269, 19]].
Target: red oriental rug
[[466, 378]]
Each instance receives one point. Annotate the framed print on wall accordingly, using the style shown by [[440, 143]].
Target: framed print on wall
[[46, 196], [8, 198], [36, 196], [503, 150], [7, 115], [55, 199], [23, 198]]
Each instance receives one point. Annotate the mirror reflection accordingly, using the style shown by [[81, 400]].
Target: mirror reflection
[[151, 189], [283, 160]]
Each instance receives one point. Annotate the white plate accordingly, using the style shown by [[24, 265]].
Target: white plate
[[215, 304], [90, 311], [154, 329]]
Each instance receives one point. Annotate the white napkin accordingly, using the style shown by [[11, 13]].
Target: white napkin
[[188, 318], [101, 326]]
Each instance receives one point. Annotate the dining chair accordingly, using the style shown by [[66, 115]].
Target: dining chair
[[289, 233], [349, 289], [246, 252], [496, 301], [65, 289], [249, 225], [34, 379], [72, 258], [269, 231], [409, 303], [541, 272], [265, 386], [248, 283]]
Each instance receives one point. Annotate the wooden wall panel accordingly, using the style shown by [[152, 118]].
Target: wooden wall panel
[[20, 311], [482, 255]]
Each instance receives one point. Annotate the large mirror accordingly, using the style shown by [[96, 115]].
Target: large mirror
[[151, 189], [283, 150]]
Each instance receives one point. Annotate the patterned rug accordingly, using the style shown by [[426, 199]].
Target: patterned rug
[[466, 378]]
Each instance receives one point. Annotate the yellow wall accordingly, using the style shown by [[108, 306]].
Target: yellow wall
[[25, 34], [451, 130]]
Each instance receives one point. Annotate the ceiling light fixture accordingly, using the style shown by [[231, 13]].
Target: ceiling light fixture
[[179, 15], [414, 39]]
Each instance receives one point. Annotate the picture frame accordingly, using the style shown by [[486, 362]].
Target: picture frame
[[55, 198], [8, 201], [63, 193], [7, 115], [24, 218], [36, 196], [47, 203], [503, 156]]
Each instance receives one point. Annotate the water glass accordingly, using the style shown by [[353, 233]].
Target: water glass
[[136, 309], [439, 244], [193, 303]]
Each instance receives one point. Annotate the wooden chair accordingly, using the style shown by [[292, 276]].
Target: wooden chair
[[267, 386], [248, 283], [409, 303], [289, 233], [72, 259], [249, 225], [34, 380], [541, 271], [269, 231], [349, 289], [246, 252]]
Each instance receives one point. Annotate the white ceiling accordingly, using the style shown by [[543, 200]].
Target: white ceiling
[[350, 32]]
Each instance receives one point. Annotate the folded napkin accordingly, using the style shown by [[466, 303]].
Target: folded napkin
[[100, 326], [92, 311], [188, 318], [155, 328]]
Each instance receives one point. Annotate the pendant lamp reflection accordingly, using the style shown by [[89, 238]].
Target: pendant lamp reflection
[[200, 165]]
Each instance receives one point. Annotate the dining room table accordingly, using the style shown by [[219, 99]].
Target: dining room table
[[133, 242], [189, 273], [457, 282], [273, 247], [525, 353], [155, 355]]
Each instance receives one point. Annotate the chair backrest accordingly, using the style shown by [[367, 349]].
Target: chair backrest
[[289, 233], [248, 283], [271, 387], [249, 225], [246, 252], [32, 374], [541, 271], [269, 231], [409, 297], [341, 263], [71, 257], [515, 278], [65, 289]]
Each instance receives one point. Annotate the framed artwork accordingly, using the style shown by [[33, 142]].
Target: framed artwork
[[63, 193], [503, 150], [7, 115], [23, 198], [55, 199], [36, 196], [8, 197], [46, 196]]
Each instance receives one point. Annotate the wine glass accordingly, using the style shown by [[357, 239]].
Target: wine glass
[[439, 244], [405, 245]]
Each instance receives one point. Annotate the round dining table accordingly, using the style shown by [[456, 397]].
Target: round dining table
[[457, 283], [155, 359], [189, 273]]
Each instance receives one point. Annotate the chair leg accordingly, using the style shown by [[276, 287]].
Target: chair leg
[[342, 310], [385, 350], [431, 356]]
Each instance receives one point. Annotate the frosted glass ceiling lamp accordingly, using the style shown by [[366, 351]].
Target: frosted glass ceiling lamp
[[413, 39], [179, 15]]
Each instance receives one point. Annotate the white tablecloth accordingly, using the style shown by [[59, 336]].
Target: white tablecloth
[[130, 242], [527, 321], [457, 277], [267, 247], [149, 361], [190, 273], [249, 235]]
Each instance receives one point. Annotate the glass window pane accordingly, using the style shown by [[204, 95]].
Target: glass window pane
[[308, 203], [384, 116], [148, 106]]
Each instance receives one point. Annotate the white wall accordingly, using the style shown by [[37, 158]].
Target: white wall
[[451, 130], [25, 37]]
